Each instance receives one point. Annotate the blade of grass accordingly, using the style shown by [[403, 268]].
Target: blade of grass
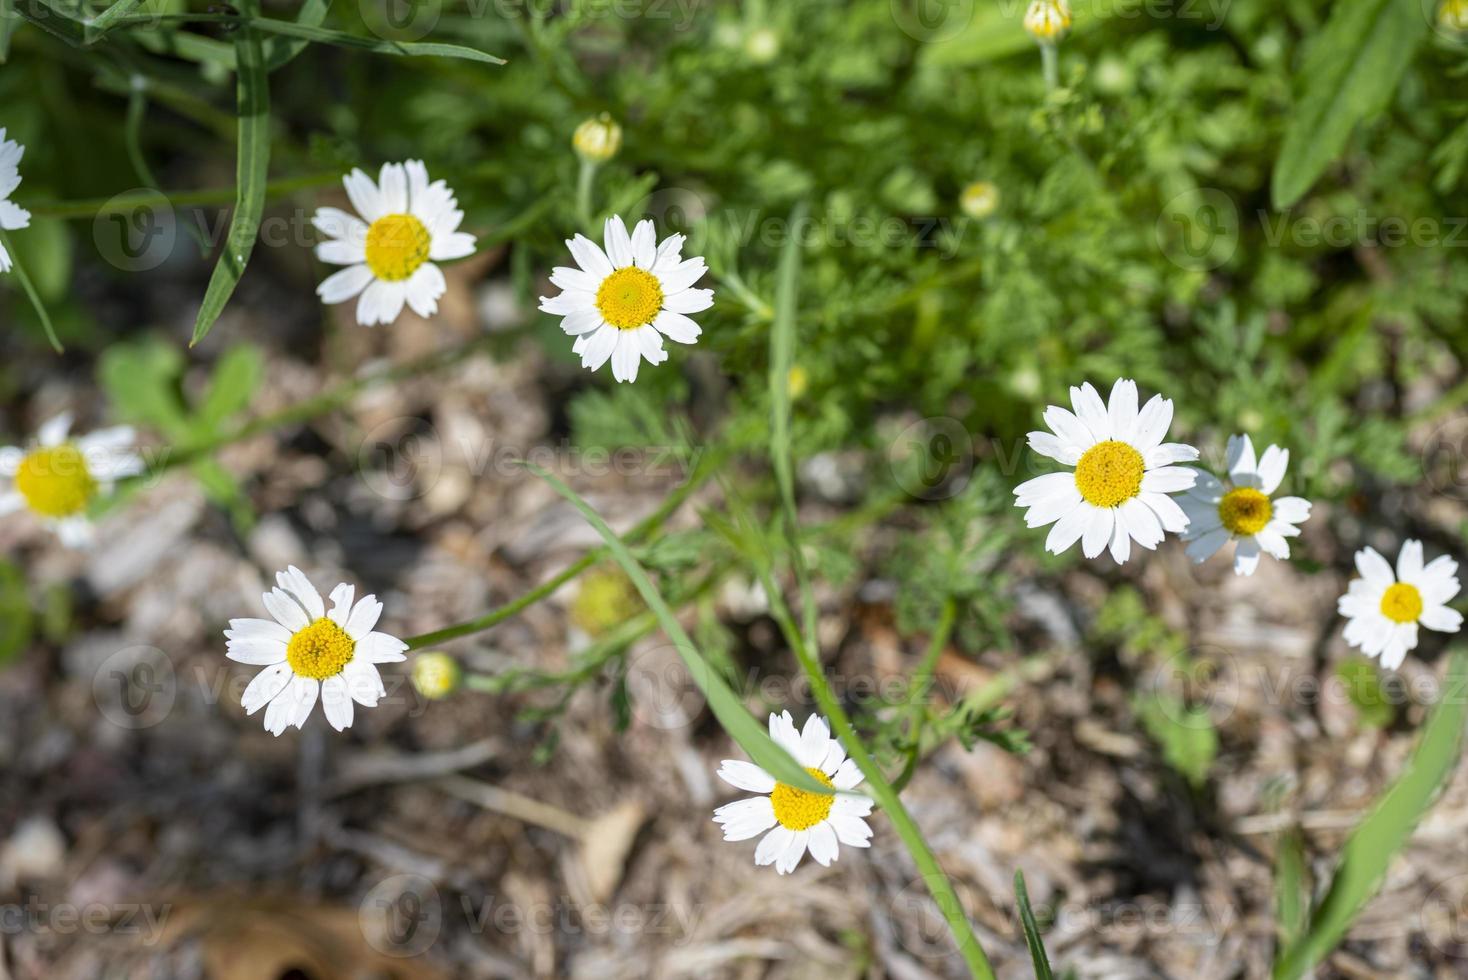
[[29, 288], [1032, 929], [1291, 890], [725, 704], [102, 23], [281, 51], [1385, 830], [419, 49], [253, 163], [53, 20], [9, 22]]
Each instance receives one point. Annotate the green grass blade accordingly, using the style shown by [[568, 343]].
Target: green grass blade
[[725, 704], [9, 23], [53, 20], [18, 270], [281, 51], [253, 164], [1032, 929], [1386, 829], [103, 22], [322, 35], [1291, 888], [1351, 74]]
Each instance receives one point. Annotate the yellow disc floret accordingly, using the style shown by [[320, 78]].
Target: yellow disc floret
[[1110, 473], [798, 809], [1245, 511], [320, 650], [55, 481], [1401, 603], [397, 244], [630, 298]]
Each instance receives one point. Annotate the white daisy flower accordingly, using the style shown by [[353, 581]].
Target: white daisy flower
[[799, 819], [406, 225], [59, 477], [619, 304], [1239, 509], [12, 216], [1118, 492], [307, 650], [1385, 609]]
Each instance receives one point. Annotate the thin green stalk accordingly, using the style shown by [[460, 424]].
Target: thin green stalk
[[922, 682], [706, 467], [584, 182], [125, 203], [1050, 63], [29, 288]]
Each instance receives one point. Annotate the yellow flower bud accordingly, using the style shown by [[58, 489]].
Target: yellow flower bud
[[436, 675], [1048, 20], [598, 139], [979, 199], [798, 381], [606, 599], [1452, 15]]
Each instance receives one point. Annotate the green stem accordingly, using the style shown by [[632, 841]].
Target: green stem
[[125, 203], [922, 682], [707, 465], [1050, 64], [583, 193], [882, 791]]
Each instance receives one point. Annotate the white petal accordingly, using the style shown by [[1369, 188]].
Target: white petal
[[590, 257], [1068, 530], [1099, 525], [1121, 538], [1054, 447], [1295, 510], [1241, 463], [1169, 479], [364, 195], [677, 327], [1167, 453], [1409, 561], [851, 831], [302, 693], [294, 581], [823, 844], [569, 302], [13, 217], [689, 301], [683, 276], [1152, 423], [670, 253], [1442, 619], [1246, 556], [341, 604], [265, 686], [815, 740], [341, 252], [783, 731], [363, 682], [1069, 428], [1205, 546], [336, 223], [746, 776], [1142, 522], [392, 182], [336, 701], [1374, 568], [645, 246], [847, 776], [564, 277], [582, 322], [1122, 408], [794, 851], [625, 357], [381, 648], [287, 611], [425, 287], [744, 819], [257, 629], [1091, 410], [1168, 512], [454, 245], [772, 845], [259, 653], [342, 286], [54, 430], [617, 242], [599, 346], [1272, 467], [364, 616]]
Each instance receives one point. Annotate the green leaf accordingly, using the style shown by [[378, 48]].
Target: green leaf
[[281, 51], [1350, 75], [1363, 686], [725, 704], [1291, 887], [141, 379], [103, 22], [1032, 930], [236, 378], [1380, 836], [252, 166], [1186, 734], [29, 288], [53, 20], [15, 613], [322, 35], [9, 24]]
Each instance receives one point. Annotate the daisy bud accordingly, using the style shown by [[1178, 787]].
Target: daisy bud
[[436, 675], [979, 199], [798, 381], [598, 139], [1048, 21], [607, 598], [1452, 15]]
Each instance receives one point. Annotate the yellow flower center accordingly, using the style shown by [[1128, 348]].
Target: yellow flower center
[[1401, 603], [798, 809], [55, 482], [630, 298], [397, 244], [1109, 473], [320, 650], [1245, 511]]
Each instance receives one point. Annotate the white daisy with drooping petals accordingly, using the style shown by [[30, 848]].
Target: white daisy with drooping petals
[[58, 478], [619, 304], [1239, 508], [1124, 472], [797, 820], [307, 650], [13, 217], [1385, 609], [407, 224]]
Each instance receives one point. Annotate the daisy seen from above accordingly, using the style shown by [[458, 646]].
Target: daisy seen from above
[[307, 651], [620, 303], [1385, 608], [59, 477], [797, 820], [1239, 508], [1123, 472], [13, 217], [406, 225]]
